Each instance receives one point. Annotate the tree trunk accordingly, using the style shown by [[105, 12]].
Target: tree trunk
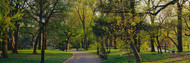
[[106, 42], [98, 51], [43, 45], [4, 43], [103, 45], [45, 40], [109, 46], [98, 46], [33, 41], [67, 44], [152, 45], [35, 44], [159, 47], [40, 40], [165, 47], [135, 41], [179, 28], [122, 14], [85, 38], [139, 44], [115, 43], [15, 50], [152, 17], [138, 58], [12, 40], [1, 46]]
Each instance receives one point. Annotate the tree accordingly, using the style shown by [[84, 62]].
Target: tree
[[6, 19], [99, 30], [69, 29], [127, 26], [179, 12], [84, 13], [46, 9]]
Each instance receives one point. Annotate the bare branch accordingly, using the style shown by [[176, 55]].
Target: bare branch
[[51, 12], [162, 7]]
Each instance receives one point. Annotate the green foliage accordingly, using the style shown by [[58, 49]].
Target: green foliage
[[7, 18]]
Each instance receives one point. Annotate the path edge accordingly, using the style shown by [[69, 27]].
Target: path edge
[[69, 58]]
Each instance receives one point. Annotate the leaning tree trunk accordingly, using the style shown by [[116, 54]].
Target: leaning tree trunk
[[4, 43], [179, 28], [135, 41], [138, 58]]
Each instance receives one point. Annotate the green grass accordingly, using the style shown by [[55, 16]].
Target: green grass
[[121, 56], [26, 56], [148, 57]]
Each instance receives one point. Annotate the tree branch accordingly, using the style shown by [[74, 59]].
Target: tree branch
[[47, 19], [162, 7]]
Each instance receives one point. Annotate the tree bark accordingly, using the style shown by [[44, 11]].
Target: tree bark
[[159, 47], [135, 41], [1, 46], [165, 47], [15, 50], [179, 28], [139, 44], [67, 44], [40, 40], [36, 43], [103, 45], [33, 41], [4, 43], [45, 40], [43, 45], [98, 46], [152, 44], [138, 58], [85, 38], [12, 40]]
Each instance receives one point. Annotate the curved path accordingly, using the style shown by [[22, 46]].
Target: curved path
[[82, 57]]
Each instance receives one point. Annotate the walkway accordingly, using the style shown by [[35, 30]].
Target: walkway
[[81, 57]]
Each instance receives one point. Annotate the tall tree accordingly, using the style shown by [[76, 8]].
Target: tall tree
[[6, 17], [179, 14], [84, 12], [81, 11]]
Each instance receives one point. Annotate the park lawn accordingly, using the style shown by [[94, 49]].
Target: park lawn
[[26, 56], [120, 56], [115, 57]]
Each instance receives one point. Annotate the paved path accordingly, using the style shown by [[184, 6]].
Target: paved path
[[81, 57]]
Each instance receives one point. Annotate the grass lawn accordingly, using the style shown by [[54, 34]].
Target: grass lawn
[[26, 56], [119, 56]]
